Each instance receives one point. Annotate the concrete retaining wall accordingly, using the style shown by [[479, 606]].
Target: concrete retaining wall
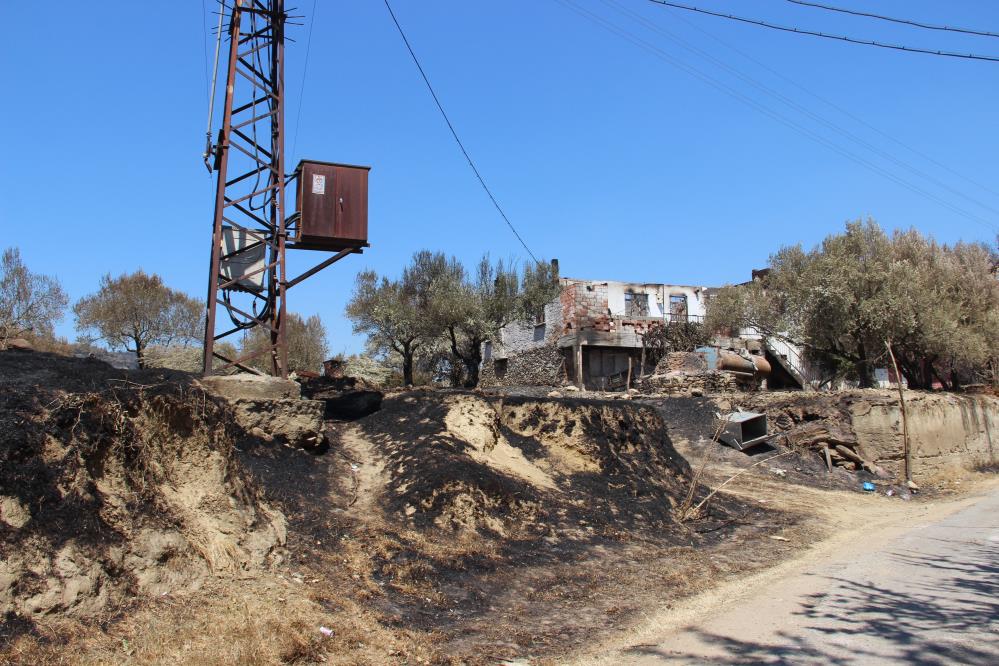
[[946, 431]]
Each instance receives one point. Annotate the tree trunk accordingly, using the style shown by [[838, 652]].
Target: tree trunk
[[928, 374], [472, 361], [471, 372], [910, 371], [864, 372], [955, 381], [407, 365]]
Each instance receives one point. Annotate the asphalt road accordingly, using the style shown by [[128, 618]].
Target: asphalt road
[[927, 593]]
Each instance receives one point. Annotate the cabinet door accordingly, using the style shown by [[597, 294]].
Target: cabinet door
[[317, 190], [351, 186]]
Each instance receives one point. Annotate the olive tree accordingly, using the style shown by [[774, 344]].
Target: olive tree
[[388, 312], [438, 315], [862, 291], [306, 340], [30, 303], [469, 309], [133, 312]]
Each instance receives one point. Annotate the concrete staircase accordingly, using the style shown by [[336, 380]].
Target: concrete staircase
[[789, 359]]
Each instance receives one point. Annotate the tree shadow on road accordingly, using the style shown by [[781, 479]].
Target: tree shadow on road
[[950, 619]]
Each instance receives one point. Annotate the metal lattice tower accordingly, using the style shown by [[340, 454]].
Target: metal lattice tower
[[247, 273]]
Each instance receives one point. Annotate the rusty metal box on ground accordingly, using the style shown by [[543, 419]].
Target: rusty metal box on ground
[[332, 205]]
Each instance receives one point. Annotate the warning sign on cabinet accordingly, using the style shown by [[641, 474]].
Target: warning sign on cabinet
[[318, 183]]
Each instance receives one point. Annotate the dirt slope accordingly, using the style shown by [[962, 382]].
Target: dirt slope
[[489, 529], [140, 525], [113, 487]]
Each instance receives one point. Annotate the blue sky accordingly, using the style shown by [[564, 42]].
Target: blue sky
[[605, 154]]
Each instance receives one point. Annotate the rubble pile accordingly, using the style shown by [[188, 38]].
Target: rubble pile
[[822, 424]]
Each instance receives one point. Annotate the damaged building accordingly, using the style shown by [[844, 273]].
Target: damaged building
[[593, 336]]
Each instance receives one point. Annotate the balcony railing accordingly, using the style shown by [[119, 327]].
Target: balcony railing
[[668, 318]]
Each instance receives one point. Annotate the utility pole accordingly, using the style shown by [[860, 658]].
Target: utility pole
[[247, 270], [247, 280]]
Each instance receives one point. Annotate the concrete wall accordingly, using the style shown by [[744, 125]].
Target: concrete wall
[[599, 299], [522, 336], [945, 430]]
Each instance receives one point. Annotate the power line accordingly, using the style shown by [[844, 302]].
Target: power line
[[837, 107], [455, 134], [818, 138], [796, 106], [204, 43], [813, 33], [211, 94], [305, 71], [928, 26]]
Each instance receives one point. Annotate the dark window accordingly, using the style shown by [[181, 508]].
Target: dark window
[[499, 367], [678, 307], [636, 305]]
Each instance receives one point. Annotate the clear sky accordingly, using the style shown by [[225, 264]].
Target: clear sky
[[637, 162]]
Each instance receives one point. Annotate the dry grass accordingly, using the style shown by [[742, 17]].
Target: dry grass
[[254, 623], [686, 510]]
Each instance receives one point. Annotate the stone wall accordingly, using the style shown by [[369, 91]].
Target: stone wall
[[522, 336], [540, 366], [689, 383]]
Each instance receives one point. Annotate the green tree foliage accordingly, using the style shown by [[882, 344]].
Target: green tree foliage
[[937, 305], [135, 311], [307, 344], [468, 310], [439, 314], [388, 312], [30, 303]]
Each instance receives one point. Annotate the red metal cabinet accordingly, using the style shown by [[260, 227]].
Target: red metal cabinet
[[332, 203]]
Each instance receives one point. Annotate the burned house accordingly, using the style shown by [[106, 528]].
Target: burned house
[[591, 336], [604, 323]]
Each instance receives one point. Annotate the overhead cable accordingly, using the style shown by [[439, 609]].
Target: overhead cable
[[836, 106], [796, 106], [775, 115], [917, 24], [813, 33], [455, 134], [204, 42], [305, 71], [211, 94]]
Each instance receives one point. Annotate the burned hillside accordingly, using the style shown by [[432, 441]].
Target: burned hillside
[[448, 526], [116, 485]]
